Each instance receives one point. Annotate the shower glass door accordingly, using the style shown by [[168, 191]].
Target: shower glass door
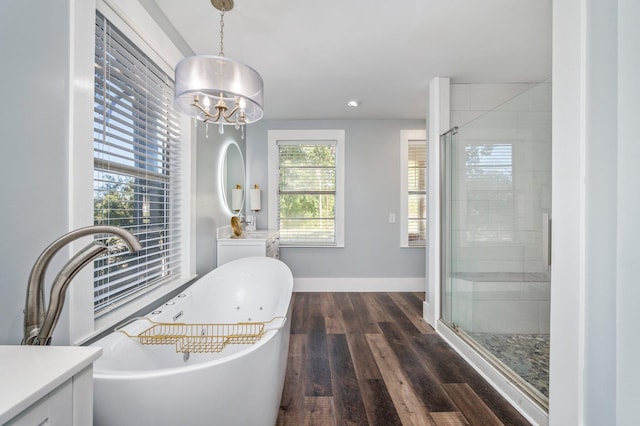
[[496, 230]]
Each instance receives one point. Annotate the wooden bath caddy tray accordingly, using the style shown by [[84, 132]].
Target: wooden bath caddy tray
[[201, 338]]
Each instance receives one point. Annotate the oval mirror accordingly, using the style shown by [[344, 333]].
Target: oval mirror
[[232, 176]]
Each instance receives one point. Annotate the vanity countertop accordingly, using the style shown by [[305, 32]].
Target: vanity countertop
[[252, 235], [31, 372]]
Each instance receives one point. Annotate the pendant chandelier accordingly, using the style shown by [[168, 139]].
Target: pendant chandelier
[[216, 89]]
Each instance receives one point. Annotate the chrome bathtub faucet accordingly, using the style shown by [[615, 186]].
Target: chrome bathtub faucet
[[38, 325]]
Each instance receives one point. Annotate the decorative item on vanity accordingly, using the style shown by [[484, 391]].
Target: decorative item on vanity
[[236, 199], [236, 227], [207, 86], [254, 203]]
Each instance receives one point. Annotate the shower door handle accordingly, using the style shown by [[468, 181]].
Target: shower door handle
[[546, 239]]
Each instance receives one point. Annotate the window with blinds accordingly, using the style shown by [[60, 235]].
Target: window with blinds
[[413, 187], [136, 167], [307, 193], [488, 180], [417, 193]]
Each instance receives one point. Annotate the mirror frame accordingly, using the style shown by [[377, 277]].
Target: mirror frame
[[232, 161]]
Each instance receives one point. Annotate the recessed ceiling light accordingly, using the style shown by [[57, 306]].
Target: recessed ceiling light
[[353, 103]]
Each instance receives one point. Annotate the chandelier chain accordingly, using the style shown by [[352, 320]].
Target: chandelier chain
[[222, 32]]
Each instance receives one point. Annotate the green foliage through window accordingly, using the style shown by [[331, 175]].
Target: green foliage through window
[[307, 191]]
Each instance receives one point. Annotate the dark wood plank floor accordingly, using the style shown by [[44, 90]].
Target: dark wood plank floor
[[369, 358]]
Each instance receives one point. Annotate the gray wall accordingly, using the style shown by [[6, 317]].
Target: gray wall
[[33, 117], [210, 212], [34, 183], [372, 179], [34, 140]]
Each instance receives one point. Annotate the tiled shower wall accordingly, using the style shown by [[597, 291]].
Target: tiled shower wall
[[520, 115], [501, 307]]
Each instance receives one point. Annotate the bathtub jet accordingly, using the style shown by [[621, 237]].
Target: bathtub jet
[[137, 381]]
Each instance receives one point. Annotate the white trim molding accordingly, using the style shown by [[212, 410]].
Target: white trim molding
[[310, 136], [438, 123], [360, 284]]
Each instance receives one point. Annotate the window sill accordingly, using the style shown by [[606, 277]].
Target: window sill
[[110, 319]]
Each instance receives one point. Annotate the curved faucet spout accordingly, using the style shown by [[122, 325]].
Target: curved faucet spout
[[39, 326]]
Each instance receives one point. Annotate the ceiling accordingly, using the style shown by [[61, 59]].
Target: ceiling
[[314, 56]]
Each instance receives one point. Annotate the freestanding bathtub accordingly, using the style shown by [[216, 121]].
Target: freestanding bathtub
[[137, 384]]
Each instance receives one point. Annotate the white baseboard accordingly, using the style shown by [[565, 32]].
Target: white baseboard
[[426, 315], [386, 284]]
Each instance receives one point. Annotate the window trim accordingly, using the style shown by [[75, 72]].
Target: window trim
[[406, 137], [307, 136], [135, 22]]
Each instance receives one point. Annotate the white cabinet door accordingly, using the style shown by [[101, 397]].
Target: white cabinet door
[[232, 251], [55, 409]]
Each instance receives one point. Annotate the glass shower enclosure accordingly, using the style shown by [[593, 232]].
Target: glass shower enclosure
[[496, 233]]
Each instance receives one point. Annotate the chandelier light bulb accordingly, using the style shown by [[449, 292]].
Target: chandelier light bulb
[[199, 77]]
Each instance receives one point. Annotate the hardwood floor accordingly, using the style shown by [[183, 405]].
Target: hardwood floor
[[369, 358]]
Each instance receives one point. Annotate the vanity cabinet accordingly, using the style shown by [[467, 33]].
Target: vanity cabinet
[[256, 243], [50, 385]]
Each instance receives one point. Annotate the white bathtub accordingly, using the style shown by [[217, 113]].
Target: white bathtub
[[136, 384]]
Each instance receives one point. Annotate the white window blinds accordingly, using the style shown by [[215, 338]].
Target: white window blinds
[[417, 193], [136, 166], [307, 193]]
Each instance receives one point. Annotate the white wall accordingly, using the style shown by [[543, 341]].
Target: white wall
[[628, 255], [438, 122], [594, 315], [472, 100], [372, 180], [601, 133]]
